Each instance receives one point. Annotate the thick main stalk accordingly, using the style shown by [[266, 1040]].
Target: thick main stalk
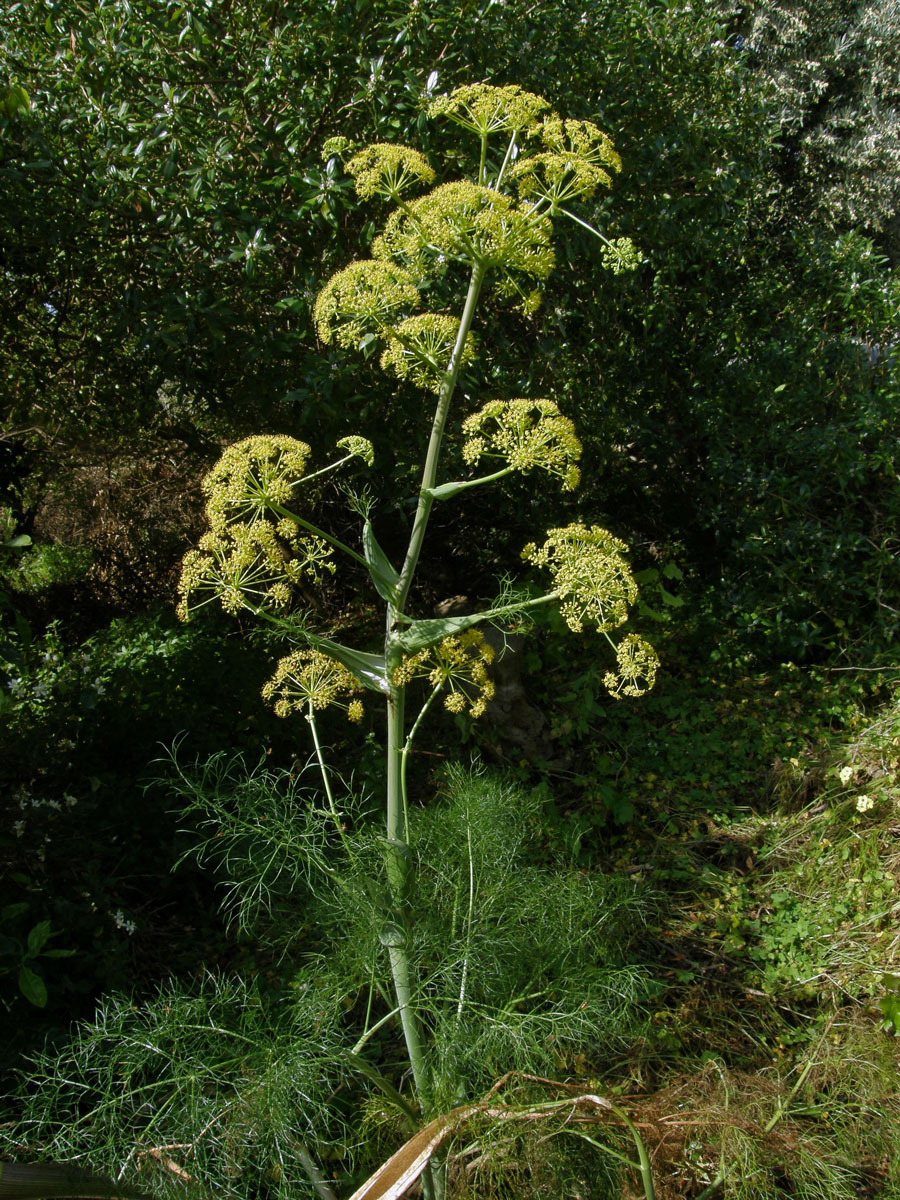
[[429, 473], [397, 849]]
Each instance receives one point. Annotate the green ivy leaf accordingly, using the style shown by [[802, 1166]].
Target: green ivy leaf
[[38, 937], [32, 987]]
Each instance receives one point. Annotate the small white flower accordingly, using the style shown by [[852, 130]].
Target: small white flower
[[864, 803], [122, 922], [19, 827], [845, 774]]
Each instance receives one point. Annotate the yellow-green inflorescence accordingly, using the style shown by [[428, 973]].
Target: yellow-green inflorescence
[[361, 299], [460, 663], [638, 663], [590, 575], [419, 349], [465, 222], [252, 555], [251, 476], [550, 160], [358, 447], [525, 434], [251, 566], [578, 160], [484, 108], [388, 170], [596, 587], [309, 678]]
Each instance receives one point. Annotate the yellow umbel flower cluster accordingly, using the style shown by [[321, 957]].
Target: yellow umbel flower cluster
[[486, 109], [621, 255], [251, 566], [251, 477], [460, 663], [358, 447], [387, 170], [252, 555], [638, 663], [525, 434], [310, 678], [578, 160], [334, 147], [464, 222], [590, 575], [361, 299], [419, 349]]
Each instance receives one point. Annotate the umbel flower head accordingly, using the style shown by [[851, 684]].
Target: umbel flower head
[[621, 255], [310, 679], [361, 299], [250, 566], [420, 347], [253, 554], [460, 663], [387, 170], [252, 477], [485, 109], [638, 663], [525, 434], [578, 160], [334, 147], [464, 222], [590, 575], [358, 447]]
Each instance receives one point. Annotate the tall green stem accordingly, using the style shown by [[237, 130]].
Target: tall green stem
[[397, 849], [429, 473], [397, 874]]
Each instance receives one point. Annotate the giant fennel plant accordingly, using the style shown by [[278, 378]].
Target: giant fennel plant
[[418, 295]]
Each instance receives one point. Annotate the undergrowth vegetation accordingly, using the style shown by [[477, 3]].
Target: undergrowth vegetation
[[738, 952], [528, 965]]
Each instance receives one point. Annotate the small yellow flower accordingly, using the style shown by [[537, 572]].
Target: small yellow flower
[[334, 147], [578, 160], [359, 447], [236, 574], [462, 222], [486, 109], [638, 663], [621, 255], [251, 477], [252, 553], [420, 347]]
